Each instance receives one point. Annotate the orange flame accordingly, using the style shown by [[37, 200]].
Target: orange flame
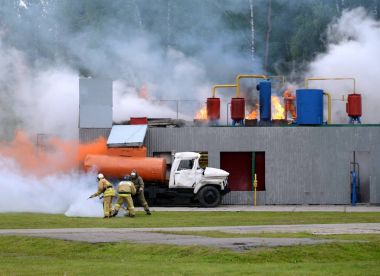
[[143, 93], [278, 111], [253, 114], [201, 114], [54, 156]]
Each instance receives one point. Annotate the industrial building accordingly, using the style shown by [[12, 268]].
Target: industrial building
[[294, 164]]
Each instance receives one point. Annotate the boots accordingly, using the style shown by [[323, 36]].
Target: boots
[[114, 214]]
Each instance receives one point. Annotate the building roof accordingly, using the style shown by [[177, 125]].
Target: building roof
[[187, 155], [127, 136]]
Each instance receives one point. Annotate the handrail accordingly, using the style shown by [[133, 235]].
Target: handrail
[[214, 87], [238, 77], [328, 107], [312, 79]]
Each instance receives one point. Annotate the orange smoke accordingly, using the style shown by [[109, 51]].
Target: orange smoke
[[53, 156], [201, 114]]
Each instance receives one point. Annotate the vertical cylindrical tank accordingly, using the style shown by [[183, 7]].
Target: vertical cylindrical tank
[[265, 90], [309, 106], [237, 109], [354, 105], [213, 108]]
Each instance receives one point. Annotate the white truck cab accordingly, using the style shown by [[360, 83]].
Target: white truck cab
[[207, 184]]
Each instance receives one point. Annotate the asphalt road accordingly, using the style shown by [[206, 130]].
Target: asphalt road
[[273, 208], [151, 235]]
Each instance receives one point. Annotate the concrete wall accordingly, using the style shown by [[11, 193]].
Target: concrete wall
[[304, 165], [87, 135]]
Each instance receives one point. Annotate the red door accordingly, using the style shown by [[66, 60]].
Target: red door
[[240, 167]]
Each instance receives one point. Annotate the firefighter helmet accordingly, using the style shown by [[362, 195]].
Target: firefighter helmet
[[100, 176]]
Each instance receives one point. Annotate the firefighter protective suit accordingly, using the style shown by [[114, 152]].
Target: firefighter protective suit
[[139, 184], [125, 190], [289, 99], [105, 188]]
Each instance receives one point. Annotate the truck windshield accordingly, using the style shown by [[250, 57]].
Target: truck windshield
[[185, 165]]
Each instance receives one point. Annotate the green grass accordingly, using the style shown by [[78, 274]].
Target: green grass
[[219, 234], [39, 256], [183, 219]]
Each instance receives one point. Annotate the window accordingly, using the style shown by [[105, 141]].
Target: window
[[185, 165]]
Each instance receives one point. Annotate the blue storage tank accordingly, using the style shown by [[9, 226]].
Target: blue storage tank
[[265, 89], [309, 106]]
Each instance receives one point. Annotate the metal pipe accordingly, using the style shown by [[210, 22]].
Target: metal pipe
[[328, 107], [238, 77], [255, 187], [227, 112], [214, 87], [313, 79]]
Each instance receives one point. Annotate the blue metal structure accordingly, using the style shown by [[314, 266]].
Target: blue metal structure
[[352, 120], [309, 107], [353, 189], [265, 89]]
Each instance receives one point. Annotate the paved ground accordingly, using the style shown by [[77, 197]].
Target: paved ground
[[150, 235], [276, 208]]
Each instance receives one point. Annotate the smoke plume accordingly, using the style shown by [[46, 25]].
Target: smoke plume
[[54, 194], [44, 177], [354, 40], [175, 50]]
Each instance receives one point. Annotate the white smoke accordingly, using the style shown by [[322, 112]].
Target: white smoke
[[54, 194], [353, 52], [39, 101]]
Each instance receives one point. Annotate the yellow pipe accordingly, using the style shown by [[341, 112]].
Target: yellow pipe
[[214, 87], [254, 189], [313, 79], [238, 77], [328, 107], [282, 78]]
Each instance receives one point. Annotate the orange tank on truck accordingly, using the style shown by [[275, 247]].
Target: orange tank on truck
[[187, 183], [151, 169]]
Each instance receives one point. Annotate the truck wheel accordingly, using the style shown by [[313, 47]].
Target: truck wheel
[[209, 196]]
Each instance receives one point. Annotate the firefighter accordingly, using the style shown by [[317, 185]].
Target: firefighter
[[105, 188], [139, 184], [289, 99], [125, 189]]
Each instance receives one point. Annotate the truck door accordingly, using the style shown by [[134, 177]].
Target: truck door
[[185, 174]]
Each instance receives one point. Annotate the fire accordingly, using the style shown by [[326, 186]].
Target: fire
[[278, 111], [201, 114], [143, 93], [253, 114]]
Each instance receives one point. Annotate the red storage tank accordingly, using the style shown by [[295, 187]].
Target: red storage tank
[[138, 121], [237, 109], [354, 105], [213, 108], [151, 169]]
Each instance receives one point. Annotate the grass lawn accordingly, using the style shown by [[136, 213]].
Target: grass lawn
[[182, 219], [39, 256]]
